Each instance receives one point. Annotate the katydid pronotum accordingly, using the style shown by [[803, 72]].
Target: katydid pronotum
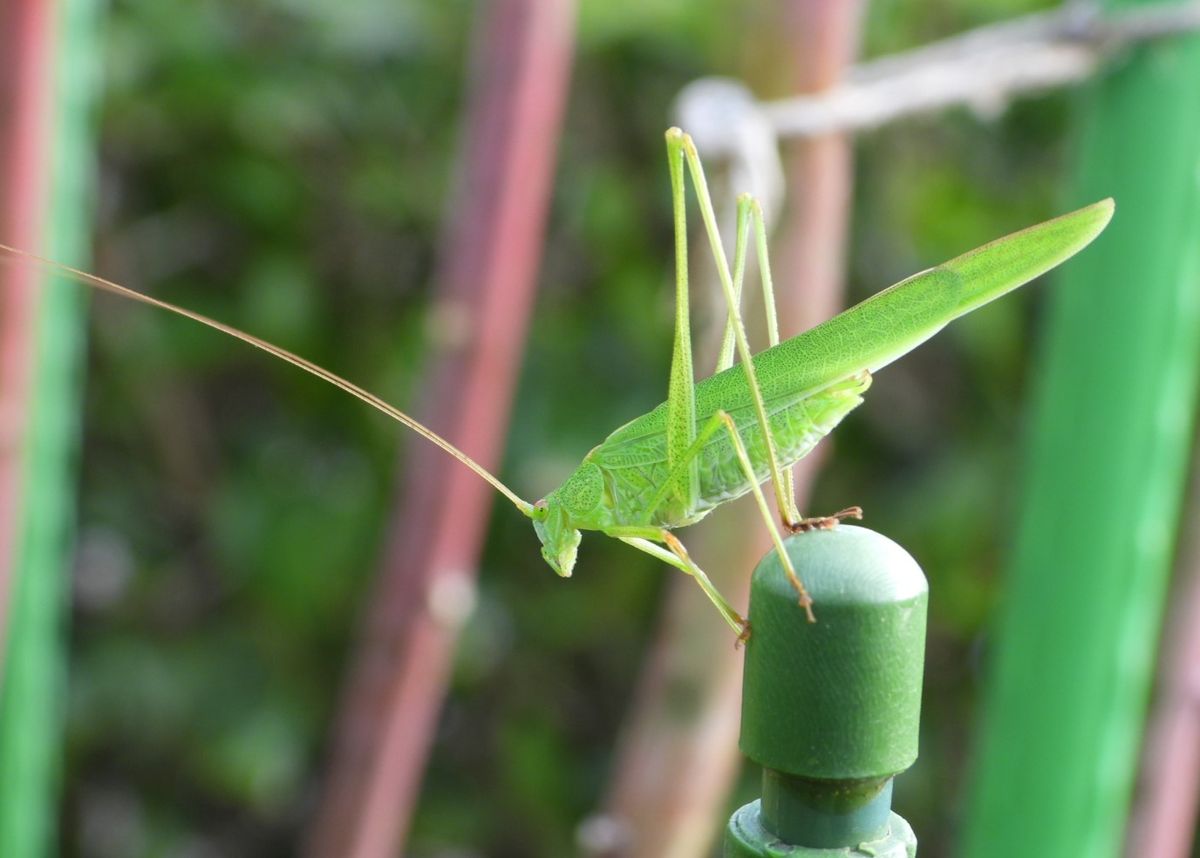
[[717, 439]]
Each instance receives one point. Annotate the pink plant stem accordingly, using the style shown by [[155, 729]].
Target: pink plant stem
[[1163, 817], [677, 764], [26, 27], [488, 271]]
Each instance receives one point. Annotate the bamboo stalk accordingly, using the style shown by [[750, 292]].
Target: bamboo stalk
[[1163, 819], [46, 165], [425, 585], [1113, 411], [27, 34]]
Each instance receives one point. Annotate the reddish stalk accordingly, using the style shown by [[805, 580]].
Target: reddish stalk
[[488, 270], [677, 764], [25, 109], [1163, 818]]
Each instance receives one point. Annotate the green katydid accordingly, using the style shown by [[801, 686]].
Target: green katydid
[[717, 439]]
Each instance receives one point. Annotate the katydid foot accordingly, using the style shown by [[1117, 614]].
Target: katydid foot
[[805, 525], [828, 522], [744, 635]]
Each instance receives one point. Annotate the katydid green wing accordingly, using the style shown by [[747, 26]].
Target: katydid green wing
[[887, 325]]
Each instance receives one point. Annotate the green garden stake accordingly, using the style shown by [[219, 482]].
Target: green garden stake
[[831, 709]]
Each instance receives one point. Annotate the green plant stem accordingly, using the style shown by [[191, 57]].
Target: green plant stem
[[31, 698], [1111, 430]]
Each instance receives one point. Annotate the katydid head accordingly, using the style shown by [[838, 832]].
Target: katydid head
[[577, 503], [560, 541]]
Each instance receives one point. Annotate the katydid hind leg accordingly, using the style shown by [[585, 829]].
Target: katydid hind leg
[[681, 389], [739, 447], [826, 522], [725, 355], [782, 495], [790, 512], [750, 216]]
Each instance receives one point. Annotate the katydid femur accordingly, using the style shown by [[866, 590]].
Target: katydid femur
[[718, 439]]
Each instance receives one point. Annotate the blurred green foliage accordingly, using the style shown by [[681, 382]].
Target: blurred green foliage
[[284, 166]]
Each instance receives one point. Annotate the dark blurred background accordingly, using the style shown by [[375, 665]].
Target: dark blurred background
[[285, 166]]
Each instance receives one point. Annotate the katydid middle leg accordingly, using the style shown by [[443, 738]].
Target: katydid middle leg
[[638, 535]]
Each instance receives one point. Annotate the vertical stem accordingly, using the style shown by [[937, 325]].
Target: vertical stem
[[676, 765], [810, 255], [26, 27], [1112, 420], [46, 166], [488, 271], [1163, 819]]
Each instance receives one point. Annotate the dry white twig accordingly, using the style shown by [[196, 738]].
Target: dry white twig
[[983, 69]]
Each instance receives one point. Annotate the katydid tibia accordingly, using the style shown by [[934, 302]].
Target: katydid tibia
[[717, 439]]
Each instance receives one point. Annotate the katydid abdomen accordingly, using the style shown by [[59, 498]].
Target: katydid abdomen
[[633, 460], [809, 383]]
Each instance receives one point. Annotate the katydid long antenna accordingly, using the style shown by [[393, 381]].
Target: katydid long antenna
[[13, 255]]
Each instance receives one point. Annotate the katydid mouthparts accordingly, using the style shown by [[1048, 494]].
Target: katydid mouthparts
[[717, 439]]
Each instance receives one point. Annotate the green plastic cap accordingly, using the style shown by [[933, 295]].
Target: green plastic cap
[[839, 698]]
